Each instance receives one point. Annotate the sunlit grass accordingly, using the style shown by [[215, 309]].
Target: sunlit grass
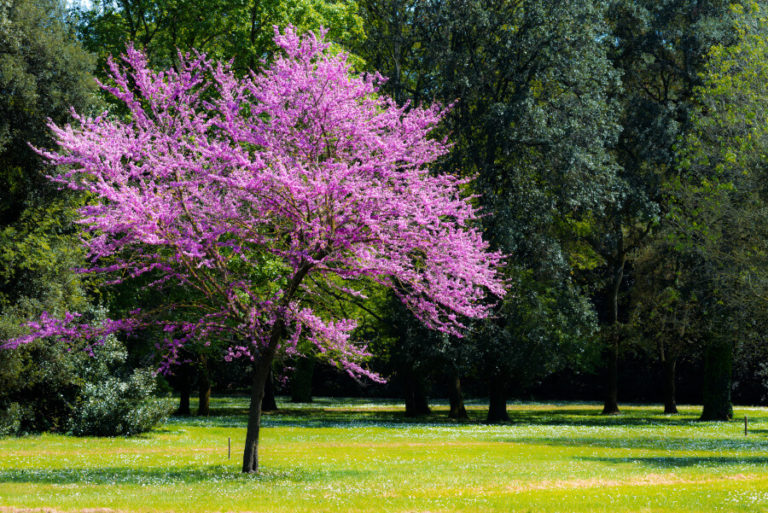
[[357, 455]]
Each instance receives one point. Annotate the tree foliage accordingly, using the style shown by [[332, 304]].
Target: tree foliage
[[43, 72], [235, 29], [719, 215], [534, 120]]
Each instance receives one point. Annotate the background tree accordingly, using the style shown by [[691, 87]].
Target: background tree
[[43, 71], [533, 120], [665, 315], [659, 49], [720, 201], [235, 29]]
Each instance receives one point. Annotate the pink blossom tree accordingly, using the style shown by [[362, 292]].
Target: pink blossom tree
[[260, 196]]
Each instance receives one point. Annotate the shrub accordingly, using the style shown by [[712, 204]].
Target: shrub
[[113, 402], [113, 407], [10, 420], [46, 387], [43, 380]]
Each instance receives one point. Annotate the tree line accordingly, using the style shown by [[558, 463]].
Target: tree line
[[618, 155]]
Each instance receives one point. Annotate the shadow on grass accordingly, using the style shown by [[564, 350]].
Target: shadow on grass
[[170, 476], [391, 414], [650, 443], [231, 412], [593, 418], [549, 417], [670, 462], [320, 417]]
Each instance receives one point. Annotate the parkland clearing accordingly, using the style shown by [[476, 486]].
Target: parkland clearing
[[356, 455]]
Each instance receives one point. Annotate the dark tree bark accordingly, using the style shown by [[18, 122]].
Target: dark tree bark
[[611, 405], [268, 403], [262, 369], [718, 363], [416, 402], [670, 403], [204, 391], [497, 401], [301, 381], [261, 372], [184, 396], [456, 400], [185, 390]]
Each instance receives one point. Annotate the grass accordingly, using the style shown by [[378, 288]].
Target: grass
[[352, 455]]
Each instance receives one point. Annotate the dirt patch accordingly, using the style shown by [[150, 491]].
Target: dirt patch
[[644, 480], [171, 451], [4, 509]]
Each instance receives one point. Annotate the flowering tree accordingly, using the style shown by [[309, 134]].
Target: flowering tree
[[260, 196]]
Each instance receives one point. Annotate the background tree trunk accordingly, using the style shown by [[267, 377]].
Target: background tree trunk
[[204, 390], [456, 400], [497, 401], [185, 389], [718, 363], [670, 404], [611, 405], [416, 403], [268, 402], [301, 381]]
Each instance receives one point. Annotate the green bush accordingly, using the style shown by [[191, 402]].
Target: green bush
[[114, 402], [46, 387], [43, 380], [113, 407], [10, 420]]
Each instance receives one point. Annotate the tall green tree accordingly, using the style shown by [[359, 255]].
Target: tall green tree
[[533, 119], [666, 317], [659, 48], [720, 212], [43, 72]]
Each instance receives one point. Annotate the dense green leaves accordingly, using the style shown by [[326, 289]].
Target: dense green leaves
[[43, 72], [718, 220], [241, 30], [534, 120]]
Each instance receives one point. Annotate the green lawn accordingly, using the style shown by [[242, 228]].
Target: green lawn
[[354, 455]]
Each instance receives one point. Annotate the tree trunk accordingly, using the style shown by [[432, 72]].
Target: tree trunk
[[184, 402], [416, 402], [204, 391], [268, 402], [670, 404], [718, 363], [456, 400], [301, 381], [497, 402], [185, 390], [261, 372], [611, 405]]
